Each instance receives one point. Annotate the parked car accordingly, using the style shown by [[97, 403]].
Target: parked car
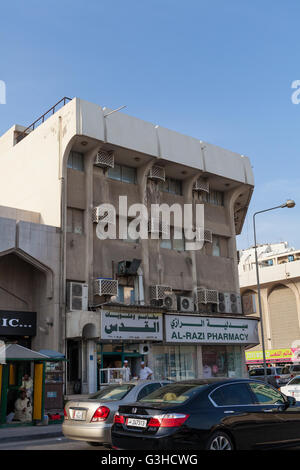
[[292, 388], [274, 377], [91, 419], [214, 414], [294, 370]]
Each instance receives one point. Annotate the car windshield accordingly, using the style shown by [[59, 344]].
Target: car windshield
[[279, 370], [173, 393], [112, 392]]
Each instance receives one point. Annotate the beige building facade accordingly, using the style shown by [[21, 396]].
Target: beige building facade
[[124, 298], [279, 274]]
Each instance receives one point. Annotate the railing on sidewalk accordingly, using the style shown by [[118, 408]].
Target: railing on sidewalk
[[112, 376], [42, 118]]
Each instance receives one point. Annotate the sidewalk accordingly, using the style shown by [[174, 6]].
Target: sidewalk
[[24, 433]]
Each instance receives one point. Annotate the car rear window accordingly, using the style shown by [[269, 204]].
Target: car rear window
[[173, 393], [296, 368], [112, 392], [258, 372]]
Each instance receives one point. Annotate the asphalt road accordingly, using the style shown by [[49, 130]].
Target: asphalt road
[[57, 443]]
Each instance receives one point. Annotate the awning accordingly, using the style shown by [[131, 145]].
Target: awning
[[54, 355], [16, 352]]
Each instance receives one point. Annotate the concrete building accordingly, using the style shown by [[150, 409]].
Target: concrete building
[[279, 274], [177, 308]]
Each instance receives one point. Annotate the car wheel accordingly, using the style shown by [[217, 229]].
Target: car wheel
[[94, 444], [219, 441]]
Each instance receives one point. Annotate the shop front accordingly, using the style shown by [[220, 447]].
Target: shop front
[[18, 327], [203, 347], [287, 356]]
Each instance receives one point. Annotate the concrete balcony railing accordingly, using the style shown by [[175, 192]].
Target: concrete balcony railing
[[269, 274]]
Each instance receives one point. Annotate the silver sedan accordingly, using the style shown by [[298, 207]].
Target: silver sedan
[[91, 419]]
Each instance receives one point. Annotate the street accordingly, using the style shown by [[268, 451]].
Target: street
[[57, 443]]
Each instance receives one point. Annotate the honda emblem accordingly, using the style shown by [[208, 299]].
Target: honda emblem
[[134, 410]]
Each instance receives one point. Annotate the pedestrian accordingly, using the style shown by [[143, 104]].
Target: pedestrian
[[27, 385], [145, 372], [127, 371], [23, 408]]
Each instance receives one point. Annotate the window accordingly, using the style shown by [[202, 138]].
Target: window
[[291, 258], [112, 392], [232, 395], [266, 395], [216, 246], [172, 186], [213, 197], [147, 390], [126, 295], [75, 222], [173, 243], [222, 361], [75, 161], [123, 173]]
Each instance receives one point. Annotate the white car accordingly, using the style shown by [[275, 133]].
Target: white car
[[292, 388]]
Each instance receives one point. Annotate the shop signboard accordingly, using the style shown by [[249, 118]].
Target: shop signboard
[[124, 325], [273, 356], [17, 323], [215, 330]]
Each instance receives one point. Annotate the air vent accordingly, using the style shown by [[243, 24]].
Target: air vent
[[105, 159], [105, 287], [157, 173], [201, 185]]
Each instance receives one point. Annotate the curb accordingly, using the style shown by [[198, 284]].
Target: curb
[[31, 437]]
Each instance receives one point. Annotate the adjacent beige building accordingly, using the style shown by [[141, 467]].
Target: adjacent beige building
[[124, 298], [279, 274]]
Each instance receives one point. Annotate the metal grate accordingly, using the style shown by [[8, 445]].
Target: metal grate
[[201, 184], [157, 173], [203, 235], [105, 287], [107, 215], [105, 159], [159, 292], [207, 296]]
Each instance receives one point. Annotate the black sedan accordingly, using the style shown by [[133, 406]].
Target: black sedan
[[209, 414]]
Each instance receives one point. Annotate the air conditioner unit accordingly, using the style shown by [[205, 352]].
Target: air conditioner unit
[[144, 349], [77, 296], [107, 287], [158, 292], [201, 184], [185, 304], [107, 216], [206, 296], [203, 235], [158, 226], [105, 159], [157, 173], [170, 301], [229, 303]]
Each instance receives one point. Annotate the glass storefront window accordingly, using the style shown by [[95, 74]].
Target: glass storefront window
[[222, 361], [174, 362]]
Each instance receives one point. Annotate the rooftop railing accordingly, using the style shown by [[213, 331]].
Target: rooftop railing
[[42, 118]]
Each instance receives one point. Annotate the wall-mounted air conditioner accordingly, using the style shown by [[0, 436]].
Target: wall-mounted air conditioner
[[185, 304], [206, 296], [108, 287], [144, 349], [229, 302], [170, 301], [157, 173], [201, 184], [105, 159], [77, 296], [158, 292], [108, 216]]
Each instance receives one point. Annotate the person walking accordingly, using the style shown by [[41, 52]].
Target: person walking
[[145, 372], [127, 371]]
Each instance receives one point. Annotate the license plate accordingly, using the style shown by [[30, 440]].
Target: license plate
[[78, 414], [139, 423]]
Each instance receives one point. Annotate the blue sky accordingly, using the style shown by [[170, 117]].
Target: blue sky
[[218, 70]]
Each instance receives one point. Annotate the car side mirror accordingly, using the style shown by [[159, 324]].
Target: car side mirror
[[291, 401]]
